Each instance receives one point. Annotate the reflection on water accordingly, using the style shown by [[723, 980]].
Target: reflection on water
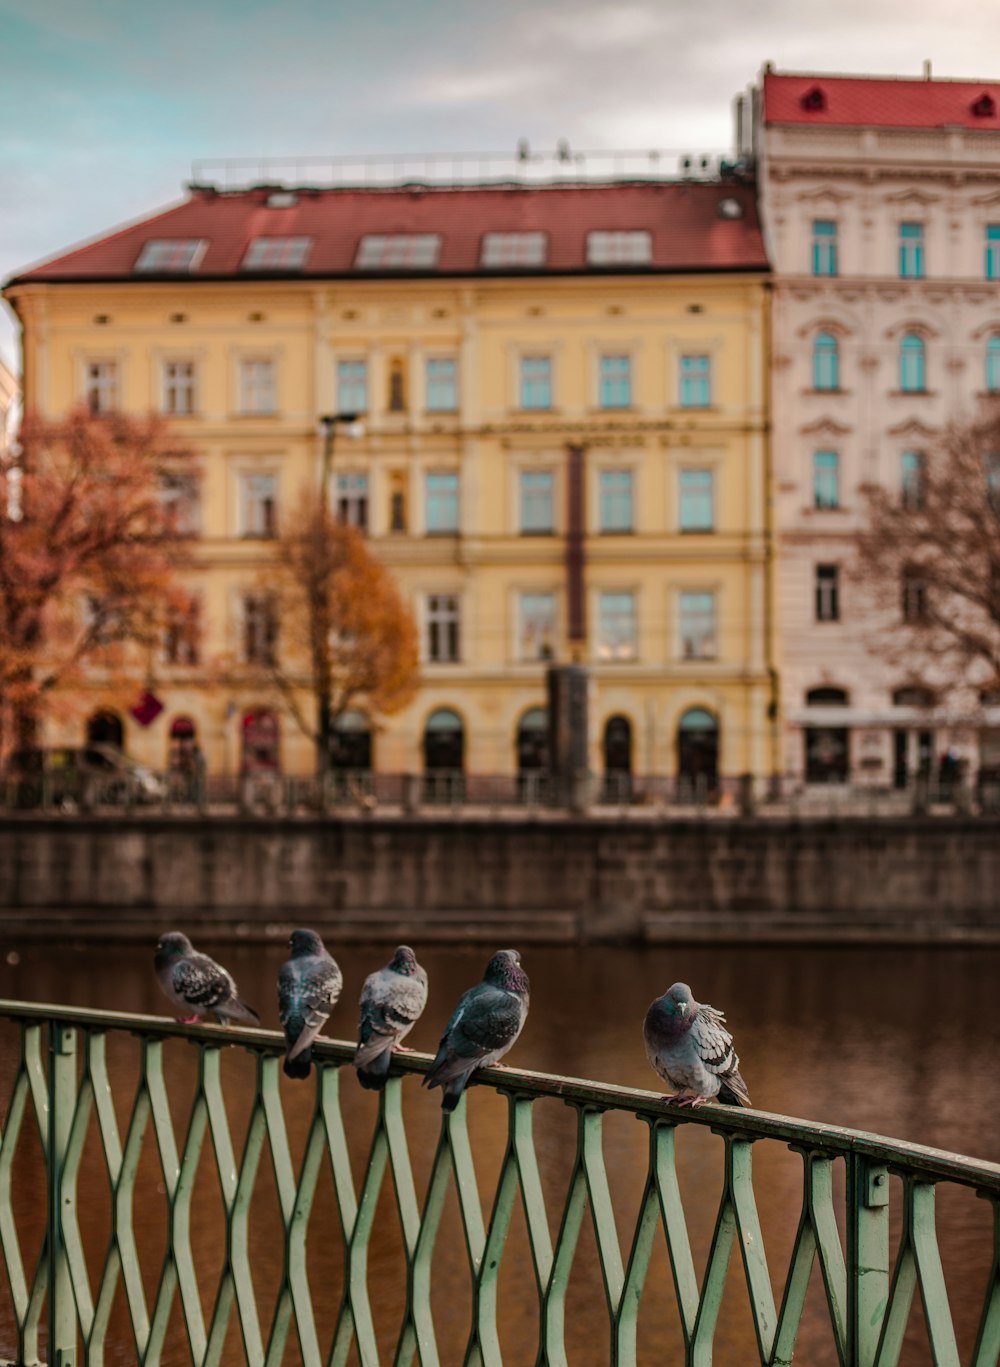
[[896, 1041]]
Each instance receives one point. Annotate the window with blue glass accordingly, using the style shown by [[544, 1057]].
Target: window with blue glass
[[536, 381], [912, 476], [826, 479], [911, 251], [536, 490], [442, 384], [993, 251], [697, 500], [993, 364], [696, 381], [616, 381], [912, 364], [824, 247], [442, 503], [352, 386], [615, 500], [826, 361]]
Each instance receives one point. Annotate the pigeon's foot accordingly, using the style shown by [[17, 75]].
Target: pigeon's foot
[[188, 1020], [691, 1101], [402, 1049]]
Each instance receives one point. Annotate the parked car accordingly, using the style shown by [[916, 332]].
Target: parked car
[[67, 775]]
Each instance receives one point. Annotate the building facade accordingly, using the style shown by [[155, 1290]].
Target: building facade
[[880, 201], [560, 449], [9, 394]]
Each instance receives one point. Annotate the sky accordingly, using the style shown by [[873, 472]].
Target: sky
[[105, 104]]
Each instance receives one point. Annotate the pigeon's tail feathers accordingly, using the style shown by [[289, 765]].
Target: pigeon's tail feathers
[[237, 1010], [373, 1048], [733, 1090], [373, 1071], [453, 1075], [453, 1092], [303, 1041], [298, 1065]]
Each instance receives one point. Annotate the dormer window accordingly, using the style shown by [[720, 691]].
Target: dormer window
[[171, 255], [619, 249], [398, 252], [513, 250], [277, 253], [814, 100], [985, 107]]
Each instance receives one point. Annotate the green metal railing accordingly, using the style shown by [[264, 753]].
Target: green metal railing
[[72, 1106]]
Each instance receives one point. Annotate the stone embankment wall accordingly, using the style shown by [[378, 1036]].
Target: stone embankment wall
[[543, 879]]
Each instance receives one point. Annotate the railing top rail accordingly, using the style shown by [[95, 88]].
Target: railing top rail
[[832, 1140]]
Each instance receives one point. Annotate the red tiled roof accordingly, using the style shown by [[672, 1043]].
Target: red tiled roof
[[687, 229], [881, 102]]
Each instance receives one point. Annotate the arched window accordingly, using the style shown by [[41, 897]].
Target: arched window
[[105, 728], [444, 741], [351, 746], [618, 745], [912, 364], [261, 735], [698, 750], [913, 695], [533, 740], [183, 745], [826, 361], [993, 363], [827, 697]]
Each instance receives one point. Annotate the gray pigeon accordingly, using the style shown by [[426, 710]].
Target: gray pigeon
[[309, 984], [391, 1002], [197, 984], [688, 1045], [484, 1025]]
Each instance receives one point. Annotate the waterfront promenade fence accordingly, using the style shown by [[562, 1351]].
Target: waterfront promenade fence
[[79, 1127]]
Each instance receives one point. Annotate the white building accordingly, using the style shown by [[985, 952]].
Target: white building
[[881, 208]]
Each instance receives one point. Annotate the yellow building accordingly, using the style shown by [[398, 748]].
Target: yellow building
[[563, 456]]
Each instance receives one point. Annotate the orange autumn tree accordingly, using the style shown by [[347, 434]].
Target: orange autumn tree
[[89, 560], [342, 632]]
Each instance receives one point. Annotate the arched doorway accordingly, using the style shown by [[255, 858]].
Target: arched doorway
[[444, 742], [351, 748], [182, 746], [105, 728], [617, 748], [260, 736], [827, 747], [533, 741], [698, 752]]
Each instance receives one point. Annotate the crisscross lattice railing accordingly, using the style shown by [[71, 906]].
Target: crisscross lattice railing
[[98, 1118]]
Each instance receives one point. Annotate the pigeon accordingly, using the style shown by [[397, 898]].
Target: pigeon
[[688, 1045], [391, 1002], [309, 984], [197, 984], [483, 1026]]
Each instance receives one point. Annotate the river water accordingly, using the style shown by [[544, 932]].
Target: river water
[[900, 1041]]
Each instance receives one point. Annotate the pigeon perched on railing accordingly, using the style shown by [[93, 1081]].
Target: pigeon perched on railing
[[391, 1002], [688, 1045], [484, 1025], [309, 984], [197, 984]]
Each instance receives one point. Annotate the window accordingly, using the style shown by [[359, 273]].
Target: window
[[827, 696], [171, 255], [260, 629], [513, 250], [536, 382], [277, 253], [442, 622], [398, 251], [697, 500], [257, 385], [914, 597], [826, 361], [616, 382], [696, 381], [911, 251], [536, 489], [615, 487], [352, 500], [396, 397], [179, 500], [182, 634], [616, 626], [101, 382], [827, 593], [993, 251], [913, 695], [619, 249], [442, 504], [826, 479], [912, 486], [352, 386], [824, 247], [912, 364], [993, 364], [178, 388], [397, 501], [442, 384], [536, 626], [697, 626], [258, 504]]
